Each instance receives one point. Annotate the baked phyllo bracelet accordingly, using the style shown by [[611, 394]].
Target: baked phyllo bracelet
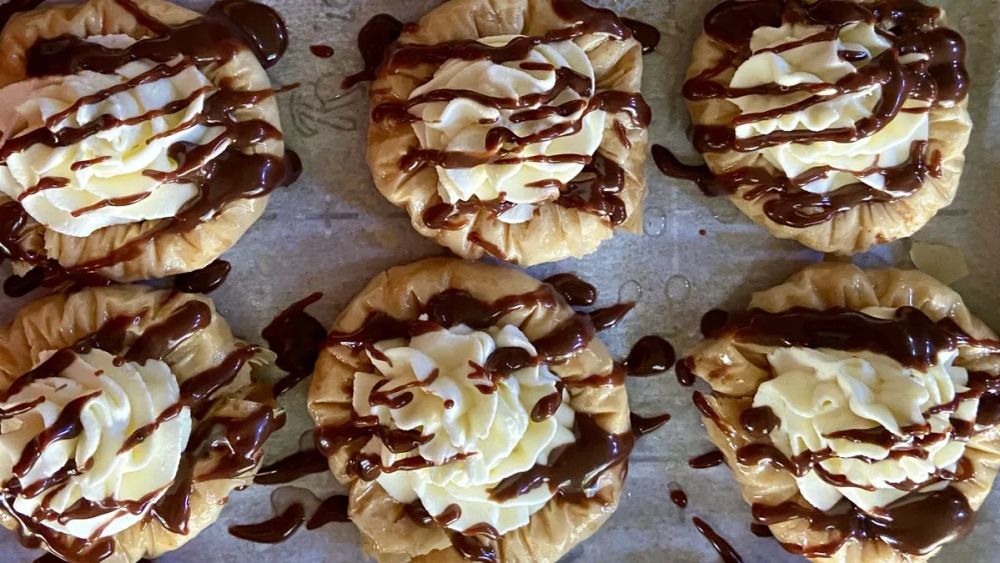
[[858, 410], [840, 124], [138, 139], [127, 418], [513, 128], [472, 413]]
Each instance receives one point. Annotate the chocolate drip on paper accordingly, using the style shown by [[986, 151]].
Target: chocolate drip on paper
[[296, 337], [719, 543], [274, 530], [910, 26], [651, 355], [642, 425], [332, 509], [647, 35], [708, 459], [205, 280], [678, 497], [292, 468], [609, 317], [376, 36]]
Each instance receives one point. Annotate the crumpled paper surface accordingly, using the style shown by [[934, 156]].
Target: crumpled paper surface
[[332, 232]]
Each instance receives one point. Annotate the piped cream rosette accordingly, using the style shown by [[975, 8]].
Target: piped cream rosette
[[537, 526]]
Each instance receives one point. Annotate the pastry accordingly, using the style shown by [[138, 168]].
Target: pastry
[[838, 124], [513, 128], [472, 413], [138, 139], [858, 410], [127, 417]]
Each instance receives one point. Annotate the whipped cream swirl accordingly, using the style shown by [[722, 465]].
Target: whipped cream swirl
[[112, 486], [463, 123], [817, 394], [791, 55], [110, 129], [476, 433]]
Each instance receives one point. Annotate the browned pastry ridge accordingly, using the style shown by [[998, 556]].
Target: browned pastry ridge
[[734, 361], [232, 415], [233, 187], [450, 288], [606, 195], [855, 217]]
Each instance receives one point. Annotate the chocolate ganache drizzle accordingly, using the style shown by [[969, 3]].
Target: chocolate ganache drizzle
[[922, 520], [225, 170], [925, 63], [223, 447], [571, 474], [595, 190]]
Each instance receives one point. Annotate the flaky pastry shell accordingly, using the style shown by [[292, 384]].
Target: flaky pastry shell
[[60, 320], [387, 532], [168, 253], [860, 227], [554, 232], [735, 370]]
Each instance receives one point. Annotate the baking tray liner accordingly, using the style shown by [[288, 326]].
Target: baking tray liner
[[332, 232]]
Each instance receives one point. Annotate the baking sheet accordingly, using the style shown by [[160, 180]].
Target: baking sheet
[[332, 232]]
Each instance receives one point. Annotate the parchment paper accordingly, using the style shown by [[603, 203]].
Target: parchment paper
[[332, 232]]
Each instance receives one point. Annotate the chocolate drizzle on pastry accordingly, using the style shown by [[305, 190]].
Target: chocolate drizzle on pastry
[[917, 524], [235, 450], [598, 187], [235, 173], [910, 337], [921, 521], [910, 26]]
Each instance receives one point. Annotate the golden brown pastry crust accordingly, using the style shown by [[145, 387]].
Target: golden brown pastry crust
[[387, 533], [735, 370], [554, 232], [169, 253], [60, 320], [861, 227]]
